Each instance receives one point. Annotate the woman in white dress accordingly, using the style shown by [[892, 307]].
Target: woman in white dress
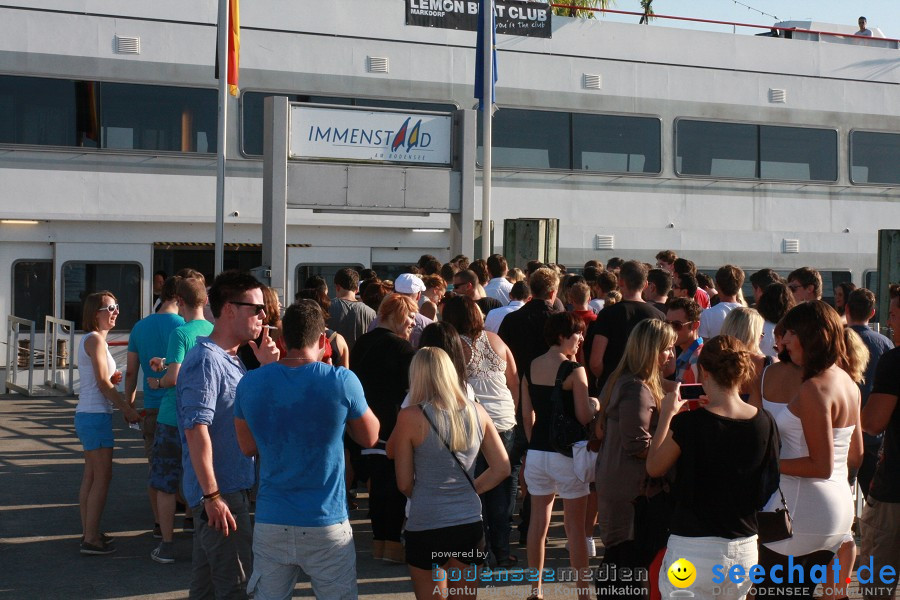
[[820, 437]]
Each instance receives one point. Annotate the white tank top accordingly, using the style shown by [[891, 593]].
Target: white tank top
[[486, 373], [90, 400]]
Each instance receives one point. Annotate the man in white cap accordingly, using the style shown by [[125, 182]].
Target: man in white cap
[[412, 286]]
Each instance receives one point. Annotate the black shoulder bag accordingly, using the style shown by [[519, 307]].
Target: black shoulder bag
[[447, 446], [777, 525]]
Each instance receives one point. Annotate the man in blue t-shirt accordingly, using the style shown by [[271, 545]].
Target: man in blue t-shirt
[[217, 476], [293, 414], [860, 307], [149, 338]]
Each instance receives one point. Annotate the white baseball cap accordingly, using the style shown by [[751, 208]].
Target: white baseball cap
[[407, 283]]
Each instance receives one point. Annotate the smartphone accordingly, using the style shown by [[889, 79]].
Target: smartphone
[[692, 392]]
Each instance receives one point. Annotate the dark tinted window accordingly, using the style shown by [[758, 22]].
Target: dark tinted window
[[33, 291], [875, 157], [252, 112], [140, 117], [529, 139], [747, 151], [48, 112], [716, 149], [62, 112], [122, 279], [797, 153], [615, 144]]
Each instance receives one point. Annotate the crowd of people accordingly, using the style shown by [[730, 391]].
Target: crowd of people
[[460, 391]]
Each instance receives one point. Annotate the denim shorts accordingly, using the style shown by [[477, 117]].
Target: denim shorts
[[165, 460], [326, 554], [94, 430]]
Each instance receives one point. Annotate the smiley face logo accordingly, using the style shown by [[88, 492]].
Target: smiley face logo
[[682, 573]]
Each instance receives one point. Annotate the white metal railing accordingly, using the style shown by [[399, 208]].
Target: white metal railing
[[59, 343], [15, 351]]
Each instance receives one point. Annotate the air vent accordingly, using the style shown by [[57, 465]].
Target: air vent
[[592, 82], [377, 64], [790, 246], [604, 242], [128, 45], [777, 96]]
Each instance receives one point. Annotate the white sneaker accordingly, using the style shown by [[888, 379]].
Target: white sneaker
[[591, 548]]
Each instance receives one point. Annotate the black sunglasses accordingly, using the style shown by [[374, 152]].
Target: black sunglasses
[[257, 308]]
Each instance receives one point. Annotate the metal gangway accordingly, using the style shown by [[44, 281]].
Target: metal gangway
[[22, 355]]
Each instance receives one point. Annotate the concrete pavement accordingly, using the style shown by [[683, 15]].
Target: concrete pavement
[[40, 472]]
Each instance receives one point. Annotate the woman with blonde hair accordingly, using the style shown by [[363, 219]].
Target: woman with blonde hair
[[436, 441], [821, 440], [633, 508], [746, 325], [93, 416]]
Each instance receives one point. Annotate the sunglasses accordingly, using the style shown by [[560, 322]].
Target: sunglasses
[[109, 307], [257, 308], [677, 325]]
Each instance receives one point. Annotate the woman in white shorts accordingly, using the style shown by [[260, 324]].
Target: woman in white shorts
[[548, 472]]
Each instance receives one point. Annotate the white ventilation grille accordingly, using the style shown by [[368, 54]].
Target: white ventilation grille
[[604, 242], [777, 96], [592, 82], [790, 246], [128, 45], [377, 64]]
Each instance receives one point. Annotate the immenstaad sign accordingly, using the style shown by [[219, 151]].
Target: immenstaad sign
[[513, 16], [370, 136]]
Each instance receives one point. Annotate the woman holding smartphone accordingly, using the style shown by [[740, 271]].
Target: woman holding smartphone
[[725, 454]]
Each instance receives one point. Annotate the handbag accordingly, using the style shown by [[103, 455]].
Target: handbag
[[777, 525], [585, 461], [565, 429]]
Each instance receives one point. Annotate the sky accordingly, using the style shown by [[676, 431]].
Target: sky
[[884, 14]]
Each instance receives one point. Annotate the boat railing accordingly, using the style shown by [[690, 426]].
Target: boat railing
[[784, 32]]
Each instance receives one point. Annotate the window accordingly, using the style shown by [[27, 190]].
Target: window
[[870, 282], [143, 117], [252, 124], [529, 139], [797, 154], [747, 151], [33, 291], [615, 144], [90, 114], [874, 157], [539, 139], [79, 279], [327, 272]]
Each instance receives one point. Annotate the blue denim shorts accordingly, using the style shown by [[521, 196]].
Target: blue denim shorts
[[94, 430]]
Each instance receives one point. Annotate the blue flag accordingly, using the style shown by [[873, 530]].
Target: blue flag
[[479, 52]]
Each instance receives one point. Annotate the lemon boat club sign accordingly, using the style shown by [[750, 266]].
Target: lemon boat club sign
[[370, 136], [514, 17]]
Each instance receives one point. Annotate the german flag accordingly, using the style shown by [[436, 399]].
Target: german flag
[[234, 46]]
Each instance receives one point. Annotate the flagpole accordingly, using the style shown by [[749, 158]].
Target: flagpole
[[222, 41], [487, 116]]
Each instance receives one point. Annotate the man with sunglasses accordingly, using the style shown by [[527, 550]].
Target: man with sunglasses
[[217, 475], [805, 284], [683, 314]]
